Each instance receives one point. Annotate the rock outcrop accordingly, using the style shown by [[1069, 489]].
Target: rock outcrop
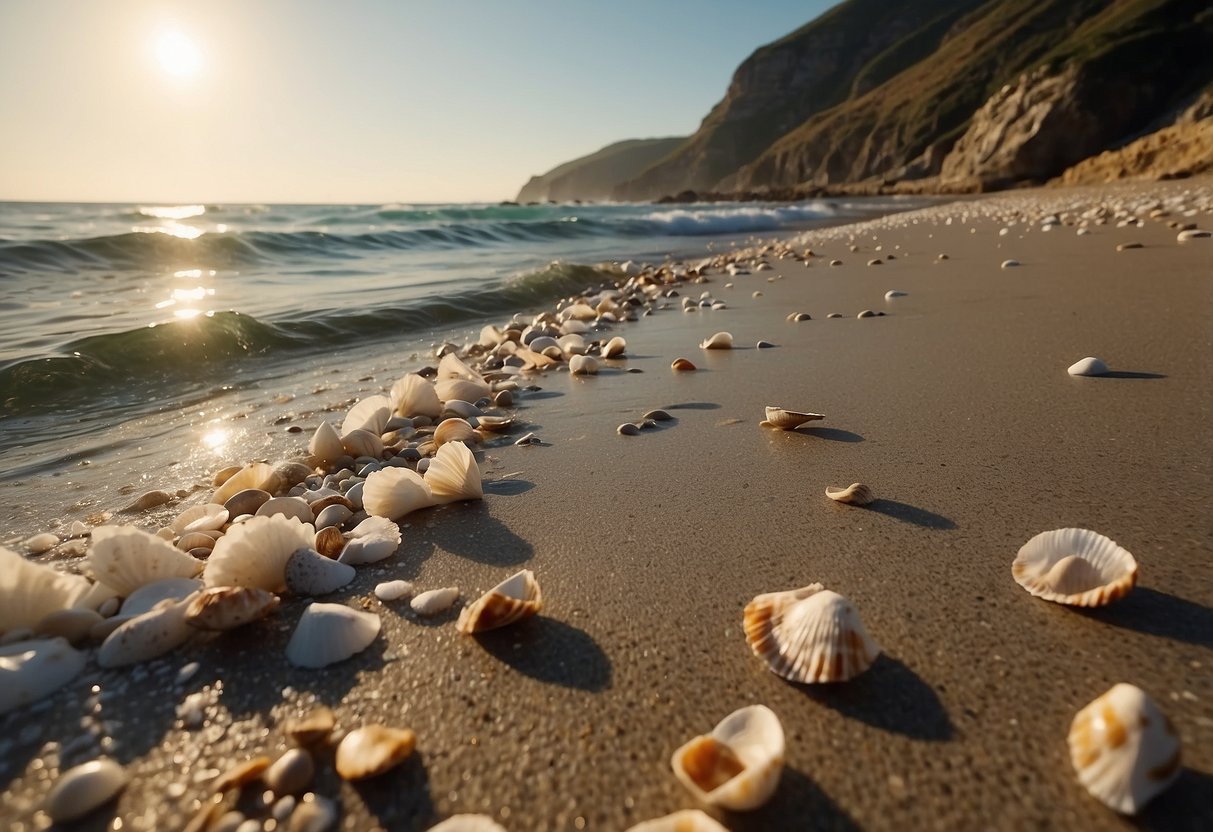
[[596, 176]]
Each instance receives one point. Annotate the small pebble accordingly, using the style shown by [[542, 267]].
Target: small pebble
[[313, 814], [682, 365], [393, 590], [150, 499], [80, 790], [291, 773], [834, 315], [40, 543]]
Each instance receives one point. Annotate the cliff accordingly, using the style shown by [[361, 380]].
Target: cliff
[[596, 175]]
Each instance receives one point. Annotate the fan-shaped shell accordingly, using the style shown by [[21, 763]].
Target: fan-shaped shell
[[738, 765], [688, 820], [228, 607], [310, 573], [255, 552], [515, 598], [454, 430], [394, 492], [362, 443], [255, 475], [413, 396], [719, 341], [370, 414], [857, 494], [1124, 749], [451, 366], [614, 348], [454, 475], [583, 365], [32, 670], [373, 749], [777, 417], [462, 389], [203, 518], [287, 507], [372, 540], [468, 823], [330, 633], [126, 558], [809, 635], [146, 636], [30, 591], [326, 444], [1075, 566]]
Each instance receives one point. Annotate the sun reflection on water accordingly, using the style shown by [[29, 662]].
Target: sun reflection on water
[[215, 440]]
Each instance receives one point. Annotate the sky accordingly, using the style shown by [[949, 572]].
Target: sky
[[367, 101]]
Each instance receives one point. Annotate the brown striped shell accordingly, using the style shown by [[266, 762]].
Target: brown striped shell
[[1078, 567], [512, 600], [228, 607], [856, 494]]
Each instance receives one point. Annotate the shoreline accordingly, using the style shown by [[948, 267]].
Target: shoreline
[[955, 407]]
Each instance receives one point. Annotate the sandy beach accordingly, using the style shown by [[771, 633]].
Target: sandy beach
[[955, 407]]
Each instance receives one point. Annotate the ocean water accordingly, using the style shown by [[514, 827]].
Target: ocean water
[[119, 324]]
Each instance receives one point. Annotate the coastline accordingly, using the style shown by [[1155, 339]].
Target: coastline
[[955, 407]]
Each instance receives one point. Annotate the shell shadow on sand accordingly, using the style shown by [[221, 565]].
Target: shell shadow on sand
[[550, 651], [1156, 613], [911, 514], [1184, 806], [399, 798], [797, 797]]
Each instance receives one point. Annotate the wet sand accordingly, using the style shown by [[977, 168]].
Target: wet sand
[[955, 407]]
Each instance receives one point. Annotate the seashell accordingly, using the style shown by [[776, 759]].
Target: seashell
[[200, 519], [434, 601], [765, 345], [1076, 567], [738, 765], [614, 348], [583, 365], [147, 636], [835, 262], [834, 315], [1089, 366], [313, 727], [333, 516], [515, 598], [454, 475], [468, 823], [40, 543], [544, 342], [229, 607], [290, 474], [628, 429], [326, 444], [286, 507], [147, 597], [464, 389], [370, 414], [330, 633], [1128, 246], [527, 439], [372, 540], [1007, 264], [32, 670], [315, 813], [1192, 234], [126, 558], [719, 341], [394, 492], [147, 500], [224, 474], [246, 502], [310, 573], [494, 423], [453, 367], [797, 317], [809, 635], [459, 409], [195, 540], [82, 789], [1124, 749], [454, 430], [894, 293], [358, 443], [393, 590], [572, 344], [856, 494], [413, 395], [30, 591], [291, 773], [255, 553], [255, 475], [688, 820], [330, 541], [373, 749], [658, 416], [73, 625], [866, 313], [682, 365], [777, 417]]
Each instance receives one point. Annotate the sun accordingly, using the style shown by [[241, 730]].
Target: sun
[[178, 56]]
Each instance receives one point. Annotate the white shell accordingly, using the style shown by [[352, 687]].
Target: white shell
[[326, 443], [1124, 749], [370, 414], [460, 409], [310, 573], [393, 590], [614, 348], [809, 635], [719, 341], [1078, 567], [256, 475], [32, 670], [287, 507], [514, 599], [894, 293], [30, 591], [145, 598], [468, 823], [372, 540], [1193, 234], [688, 820], [451, 366], [583, 365], [1089, 366], [572, 344], [255, 552], [463, 389], [454, 430], [147, 636], [738, 765], [454, 475], [126, 558], [394, 492], [1010, 264], [777, 417], [84, 788], [413, 396], [203, 518], [360, 442], [434, 601], [856, 494], [330, 633]]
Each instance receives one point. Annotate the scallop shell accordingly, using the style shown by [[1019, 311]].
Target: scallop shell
[[257, 475], [777, 417], [228, 607], [394, 492], [463, 389], [413, 396], [145, 598], [369, 414], [688, 820], [434, 601], [1124, 749], [80, 790], [1075, 566], [454, 475], [326, 444], [286, 507], [515, 598], [1089, 366], [373, 749], [255, 553], [126, 558], [147, 636], [32, 670], [809, 635], [614, 348], [310, 573], [452, 367], [454, 430], [330, 633], [738, 765], [583, 365], [468, 823], [857, 494], [372, 540], [203, 518], [362, 442], [30, 591], [719, 341]]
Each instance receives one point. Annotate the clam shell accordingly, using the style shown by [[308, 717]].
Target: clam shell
[[688, 820], [29, 591], [361, 442], [1089, 366], [468, 823], [453, 474], [1075, 566], [255, 475], [333, 516], [451, 367], [370, 414], [147, 636], [809, 635], [463, 389], [228, 607], [413, 396], [147, 597], [84, 788], [719, 341], [454, 430], [434, 601], [126, 558], [1124, 749], [614, 348], [460, 409], [372, 540], [572, 344], [287, 507], [32, 670], [738, 765], [330, 633], [310, 573], [515, 598], [777, 417], [583, 365], [856, 494], [494, 423], [246, 501], [195, 540], [373, 749], [255, 553], [326, 444], [394, 492]]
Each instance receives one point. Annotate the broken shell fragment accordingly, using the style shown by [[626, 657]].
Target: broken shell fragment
[[434, 601], [809, 635], [372, 540], [856, 494], [330, 633], [228, 607], [515, 598], [84, 788], [738, 765], [310, 573], [1078, 567], [688, 820], [719, 341], [373, 749], [1089, 366], [777, 417], [1124, 749], [393, 590]]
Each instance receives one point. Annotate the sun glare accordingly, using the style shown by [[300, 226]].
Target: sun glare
[[178, 56]]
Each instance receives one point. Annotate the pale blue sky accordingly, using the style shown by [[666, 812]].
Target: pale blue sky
[[310, 101]]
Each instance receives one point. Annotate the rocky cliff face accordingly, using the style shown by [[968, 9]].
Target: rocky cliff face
[[596, 175]]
